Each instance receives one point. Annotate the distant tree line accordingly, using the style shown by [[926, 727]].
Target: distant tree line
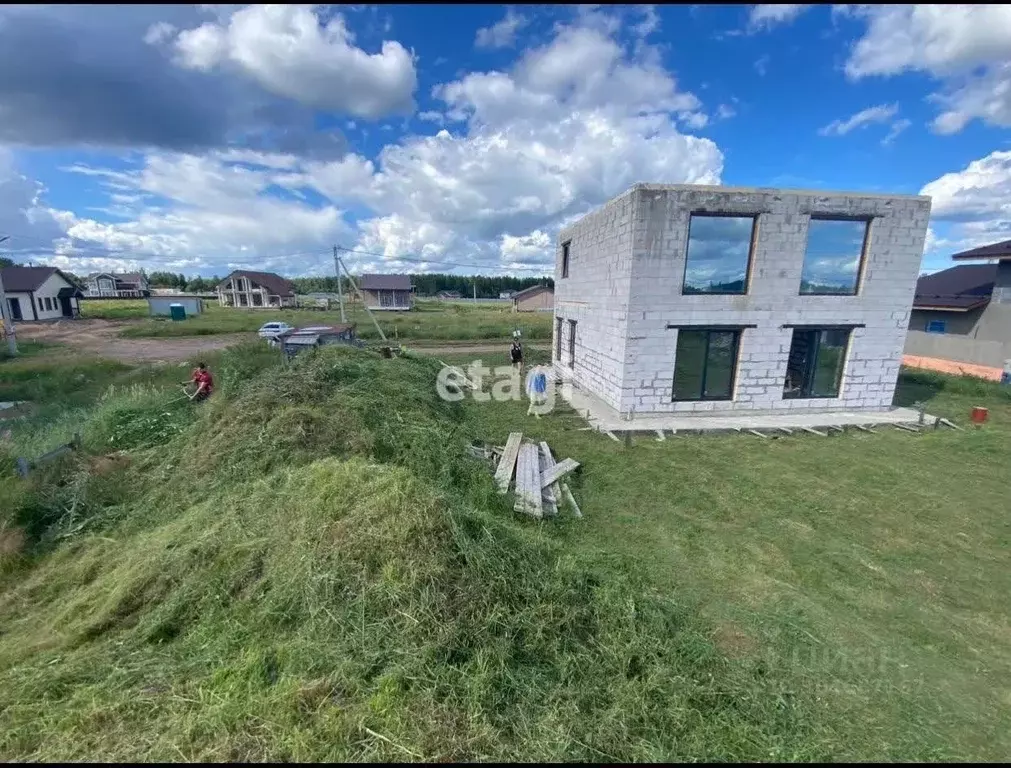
[[432, 283], [180, 282], [488, 287]]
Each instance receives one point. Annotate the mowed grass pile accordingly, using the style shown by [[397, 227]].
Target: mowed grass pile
[[313, 569], [429, 319]]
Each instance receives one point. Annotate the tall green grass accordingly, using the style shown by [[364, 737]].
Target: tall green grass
[[313, 568], [429, 320], [309, 566]]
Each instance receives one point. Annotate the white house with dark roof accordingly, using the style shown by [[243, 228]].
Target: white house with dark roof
[[393, 292], [255, 290], [39, 293], [132, 285]]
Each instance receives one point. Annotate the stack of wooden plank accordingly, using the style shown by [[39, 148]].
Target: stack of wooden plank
[[535, 476]]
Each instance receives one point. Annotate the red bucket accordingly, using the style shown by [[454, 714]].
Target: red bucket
[[979, 415]]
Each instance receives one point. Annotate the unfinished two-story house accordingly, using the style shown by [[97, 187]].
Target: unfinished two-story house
[[684, 298], [255, 290]]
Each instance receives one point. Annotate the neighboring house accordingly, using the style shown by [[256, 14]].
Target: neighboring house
[[447, 295], [969, 299], [40, 293], [537, 298], [963, 314], [506, 294], [675, 298], [386, 291], [161, 305], [110, 285], [255, 290]]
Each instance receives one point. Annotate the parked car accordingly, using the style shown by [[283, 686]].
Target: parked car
[[270, 331]]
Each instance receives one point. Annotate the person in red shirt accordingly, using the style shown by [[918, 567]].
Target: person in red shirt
[[204, 382]]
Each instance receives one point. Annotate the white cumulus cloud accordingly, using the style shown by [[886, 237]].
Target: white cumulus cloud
[[882, 114], [502, 34], [966, 47], [973, 204], [288, 51], [526, 150], [769, 15]]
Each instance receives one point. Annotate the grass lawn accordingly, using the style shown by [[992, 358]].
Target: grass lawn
[[866, 574], [308, 567], [429, 320]]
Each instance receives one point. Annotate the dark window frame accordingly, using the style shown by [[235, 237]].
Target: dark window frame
[[566, 254], [559, 325], [572, 344], [861, 267], [812, 365], [737, 331], [751, 251]]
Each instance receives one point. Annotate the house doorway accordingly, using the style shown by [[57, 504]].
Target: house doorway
[[65, 307], [15, 308]]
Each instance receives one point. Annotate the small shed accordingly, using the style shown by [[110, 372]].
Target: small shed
[[294, 341], [387, 292], [160, 306]]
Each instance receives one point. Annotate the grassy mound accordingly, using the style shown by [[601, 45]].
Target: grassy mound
[[311, 568]]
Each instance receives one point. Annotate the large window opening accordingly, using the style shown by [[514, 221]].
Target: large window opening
[[815, 365], [833, 257], [719, 254], [565, 258], [705, 364], [558, 339]]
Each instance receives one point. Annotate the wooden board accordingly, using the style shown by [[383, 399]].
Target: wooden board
[[504, 473], [815, 432], [528, 490], [572, 501], [549, 500], [558, 471], [547, 462]]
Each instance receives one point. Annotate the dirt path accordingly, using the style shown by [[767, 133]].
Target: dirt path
[[99, 337]]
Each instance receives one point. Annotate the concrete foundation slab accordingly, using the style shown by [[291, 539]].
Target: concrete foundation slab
[[604, 418]]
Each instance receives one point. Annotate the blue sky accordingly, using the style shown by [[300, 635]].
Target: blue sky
[[205, 138]]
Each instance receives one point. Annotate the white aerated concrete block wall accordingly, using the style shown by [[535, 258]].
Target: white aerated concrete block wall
[[596, 295], [628, 346]]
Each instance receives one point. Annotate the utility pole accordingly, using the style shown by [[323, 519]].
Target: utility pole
[[7, 322], [340, 293], [475, 289]]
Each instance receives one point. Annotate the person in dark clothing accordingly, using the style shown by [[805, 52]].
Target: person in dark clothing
[[516, 354]]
